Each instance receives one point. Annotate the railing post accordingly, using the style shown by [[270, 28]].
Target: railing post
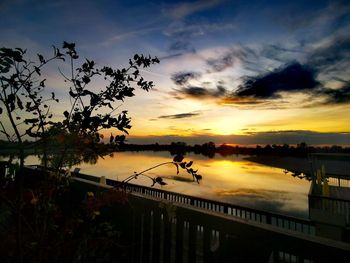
[[146, 237], [192, 242], [225, 209], [179, 239], [207, 255], [268, 219], [156, 236], [167, 238], [136, 238]]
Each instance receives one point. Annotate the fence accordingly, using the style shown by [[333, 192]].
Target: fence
[[332, 204], [287, 222], [165, 231]]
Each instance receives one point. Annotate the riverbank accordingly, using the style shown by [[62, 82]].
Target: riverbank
[[333, 166]]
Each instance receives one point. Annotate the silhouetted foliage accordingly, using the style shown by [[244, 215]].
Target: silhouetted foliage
[[28, 107]]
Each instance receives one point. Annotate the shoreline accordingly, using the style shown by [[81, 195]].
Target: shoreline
[[303, 165]]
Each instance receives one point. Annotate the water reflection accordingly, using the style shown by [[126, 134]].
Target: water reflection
[[231, 179]]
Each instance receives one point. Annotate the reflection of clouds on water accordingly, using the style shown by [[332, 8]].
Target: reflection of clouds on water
[[180, 178], [231, 179], [263, 199], [253, 193]]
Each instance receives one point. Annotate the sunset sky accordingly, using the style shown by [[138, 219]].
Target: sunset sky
[[240, 72]]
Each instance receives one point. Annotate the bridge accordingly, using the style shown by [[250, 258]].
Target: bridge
[[173, 227], [163, 226]]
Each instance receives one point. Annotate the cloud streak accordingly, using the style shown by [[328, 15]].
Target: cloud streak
[[179, 116], [229, 58], [196, 92], [183, 10]]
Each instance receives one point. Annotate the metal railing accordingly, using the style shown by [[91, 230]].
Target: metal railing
[[194, 234], [264, 217]]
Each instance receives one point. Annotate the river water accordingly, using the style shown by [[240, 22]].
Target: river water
[[230, 179]]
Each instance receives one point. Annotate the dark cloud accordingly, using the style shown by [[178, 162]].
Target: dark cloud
[[337, 96], [182, 78], [264, 90], [292, 77], [196, 91], [179, 116], [200, 92]]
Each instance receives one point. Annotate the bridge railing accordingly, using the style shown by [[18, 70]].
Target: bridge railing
[[264, 217], [163, 231], [331, 204]]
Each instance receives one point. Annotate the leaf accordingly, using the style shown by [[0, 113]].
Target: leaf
[[68, 45], [72, 94], [189, 164], [66, 114], [86, 79], [160, 181], [42, 83], [198, 177], [183, 165], [19, 103], [11, 101], [37, 70], [41, 59], [0, 110], [21, 50], [178, 158], [34, 120]]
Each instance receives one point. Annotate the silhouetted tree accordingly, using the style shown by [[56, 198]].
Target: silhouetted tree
[[27, 107]]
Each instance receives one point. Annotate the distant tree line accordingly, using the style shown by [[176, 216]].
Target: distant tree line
[[209, 149]]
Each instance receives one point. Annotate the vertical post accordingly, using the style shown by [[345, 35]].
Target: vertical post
[[207, 256], [146, 236], [179, 239], [167, 238], [156, 236], [192, 242], [137, 237]]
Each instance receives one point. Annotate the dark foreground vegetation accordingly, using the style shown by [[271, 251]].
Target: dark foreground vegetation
[[41, 218]]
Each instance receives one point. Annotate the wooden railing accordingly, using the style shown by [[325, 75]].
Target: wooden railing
[[166, 231], [263, 217]]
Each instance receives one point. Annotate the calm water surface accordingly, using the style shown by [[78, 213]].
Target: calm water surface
[[231, 179]]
